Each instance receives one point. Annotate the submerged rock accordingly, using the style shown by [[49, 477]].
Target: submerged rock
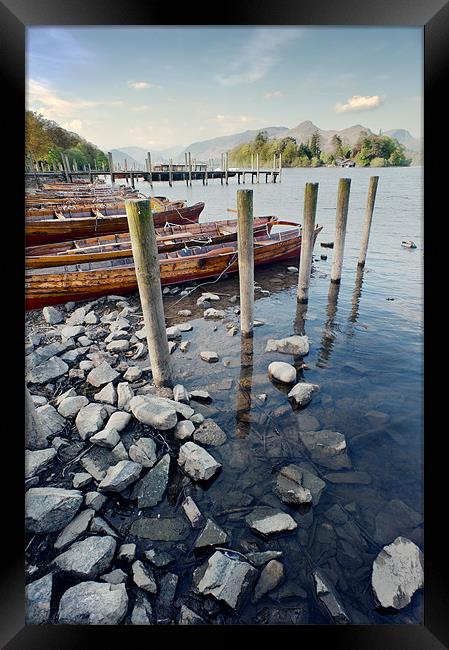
[[163, 529], [38, 600], [268, 521], [301, 394], [328, 597], [192, 512], [262, 557], [209, 356], [209, 433], [296, 345], [327, 448], [289, 486], [269, 579], [93, 603], [197, 462], [211, 535], [225, 578], [49, 509], [398, 572], [86, 559], [142, 613], [282, 372]]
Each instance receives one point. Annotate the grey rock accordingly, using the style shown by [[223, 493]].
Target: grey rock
[[209, 433], [91, 318], [81, 479], [268, 521], [38, 600], [97, 461], [192, 512], [163, 529], [269, 579], [90, 419], [99, 525], [52, 315], [211, 535], [74, 529], [133, 373], [120, 476], [296, 345], [36, 461], [393, 518], [124, 395], [301, 394], [39, 400], [200, 396], [77, 317], [153, 411], [398, 572], [107, 395], [329, 598], [108, 438], [49, 420], [118, 421], [214, 314], [47, 371], [144, 577], [209, 356], [184, 346], [49, 509], [142, 613], [225, 579], [120, 452], [70, 406], [282, 372], [143, 452], [127, 552], [312, 482], [72, 331], [351, 478], [173, 333], [101, 375], [120, 345], [262, 557], [116, 577], [181, 394], [197, 462], [95, 500], [93, 603], [183, 409], [188, 617], [167, 591], [184, 429], [196, 418], [86, 559], [327, 448], [158, 558], [289, 486], [151, 488]]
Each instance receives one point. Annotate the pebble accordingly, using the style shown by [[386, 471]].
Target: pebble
[[209, 356], [282, 372], [197, 462]]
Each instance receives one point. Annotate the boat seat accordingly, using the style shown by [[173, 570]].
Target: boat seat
[[219, 251]]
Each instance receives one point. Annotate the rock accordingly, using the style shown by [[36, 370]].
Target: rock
[[185, 313], [70, 406], [188, 617], [269, 579], [86, 559], [398, 572], [101, 375], [261, 558], [39, 400], [142, 613], [197, 418], [93, 603], [209, 433], [393, 518], [327, 448], [151, 488], [143, 577], [81, 479], [115, 577], [301, 393], [167, 591], [184, 327], [49, 420], [289, 487], [209, 356], [77, 317], [226, 579], [74, 529], [118, 421], [181, 394], [192, 511], [211, 297], [100, 526], [127, 552], [200, 396], [97, 461], [296, 345], [133, 374], [47, 371], [211, 535], [75, 373], [312, 482], [52, 315], [49, 509], [143, 452], [292, 269], [121, 345], [95, 500], [36, 461], [90, 419], [184, 346], [91, 318], [165, 529], [119, 476], [197, 462], [213, 314], [72, 356], [38, 600], [108, 438], [351, 478], [282, 372], [293, 616], [124, 395], [173, 333], [268, 521], [232, 331], [153, 411], [107, 395], [184, 429], [72, 331], [328, 597], [183, 409]]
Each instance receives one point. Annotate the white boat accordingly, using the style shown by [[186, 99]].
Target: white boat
[[408, 244]]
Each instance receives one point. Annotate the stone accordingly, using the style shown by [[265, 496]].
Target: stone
[[188, 617], [127, 552], [197, 462], [119, 476], [39, 400], [153, 411], [184, 346], [263, 557], [268, 521], [398, 572], [142, 613], [192, 512], [72, 356], [143, 577], [133, 373], [214, 314], [99, 525], [124, 395], [36, 461], [312, 482], [97, 461], [289, 487], [49, 509], [90, 419], [209, 356], [185, 313], [328, 597], [75, 373], [118, 421], [38, 600], [301, 394], [296, 345], [167, 591], [101, 375], [143, 452], [297, 615], [95, 500], [183, 409], [211, 535], [173, 333], [209, 433], [81, 479], [151, 488], [77, 317], [49, 420], [226, 579], [184, 327], [52, 315], [47, 371], [282, 372], [181, 394], [393, 518], [115, 577], [184, 429], [292, 269], [327, 448], [46, 352], [197, 418], [107, 395], [164, 529], [86, 559], [91, 318], [93, 603], [108, 438], [200, 396], [70, 406], [72, 331], [74, 529], [271, 576], [121, 345], [350, 478]]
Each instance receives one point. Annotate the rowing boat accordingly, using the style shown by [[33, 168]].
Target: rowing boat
[[86, 207], [50, 286], [63, 228]]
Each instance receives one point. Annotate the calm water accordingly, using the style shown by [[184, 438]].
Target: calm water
[[367, 356]]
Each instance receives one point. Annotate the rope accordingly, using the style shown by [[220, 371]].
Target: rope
[[234, 257]]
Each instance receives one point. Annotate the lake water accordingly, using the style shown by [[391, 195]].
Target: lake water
[[366, 354]]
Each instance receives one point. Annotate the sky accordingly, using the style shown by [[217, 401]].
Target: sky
[[161, 87]]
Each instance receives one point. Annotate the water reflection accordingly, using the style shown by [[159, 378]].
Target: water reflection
[[356, 294], [299, 324], [329, 334], [244, 386]]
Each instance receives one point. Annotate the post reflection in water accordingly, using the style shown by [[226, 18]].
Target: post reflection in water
[[327, 341], [243, 401], [353, 316], [299, 324]]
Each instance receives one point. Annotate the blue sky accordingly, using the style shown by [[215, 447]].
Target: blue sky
[[161, 87]]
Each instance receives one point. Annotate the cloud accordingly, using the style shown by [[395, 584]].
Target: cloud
[[142, 85], [359, 103], [140, 109], [259, 54], [271, 95], [74, 125]]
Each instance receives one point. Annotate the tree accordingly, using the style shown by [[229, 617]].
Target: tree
[[337, 144], [314, 144]]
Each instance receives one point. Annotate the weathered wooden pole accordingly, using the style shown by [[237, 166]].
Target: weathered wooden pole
[[308, 231], [150, 169], [257, 166], [226, 167], [222, 169], [280, 167], [186, 168], [111, 166], [341, 219], [245, 242], [372, 189], [170, 172], [190, 169], [146, 262], [273, 180]]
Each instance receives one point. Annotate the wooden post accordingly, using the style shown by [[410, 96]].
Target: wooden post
[[132, 179], [111, 167], [245, 242], [280, 167], [257, 166], [65, 163], [170, 172], [186, 176], [226, 167], [190, 169], [150, 170], [341, 218], [222, 169], [373, 181], [146, 261], [274, 169], [308, 231]]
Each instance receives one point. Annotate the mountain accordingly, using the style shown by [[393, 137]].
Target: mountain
[[304, 131], [119, 156], [405, 137], [138, 154]]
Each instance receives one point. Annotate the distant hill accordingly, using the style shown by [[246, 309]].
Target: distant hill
[[138, 154], [405, 137], [304, 131]]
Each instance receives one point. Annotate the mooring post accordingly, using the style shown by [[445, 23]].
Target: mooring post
[[273, 180], [226, 167], [257, 166], [150, 169], [307, 237], [186, 176], [222, 169], [190, 169], [146, 263], [170, 173], [341, 219], [372, 189], [111, 167], [245, 241], [280, 167]]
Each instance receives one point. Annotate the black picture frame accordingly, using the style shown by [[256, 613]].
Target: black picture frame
[[433, 16]]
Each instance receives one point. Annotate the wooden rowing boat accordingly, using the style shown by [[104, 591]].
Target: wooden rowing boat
[[86, 207], [48, 286], [64, 228], [118, 245]]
